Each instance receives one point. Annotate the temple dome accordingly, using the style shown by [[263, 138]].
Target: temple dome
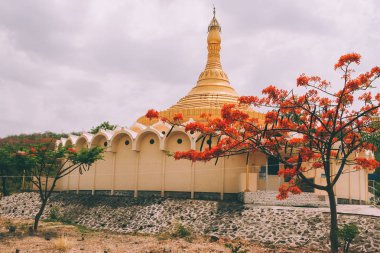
[[213, 88]]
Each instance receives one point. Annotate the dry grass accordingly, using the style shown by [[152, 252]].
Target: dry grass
[[78, 239], [62, 244]]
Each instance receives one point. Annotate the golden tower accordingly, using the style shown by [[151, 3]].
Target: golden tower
[[213, 88]]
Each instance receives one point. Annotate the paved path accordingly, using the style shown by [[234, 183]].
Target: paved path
[[358, 209], [346, 209]]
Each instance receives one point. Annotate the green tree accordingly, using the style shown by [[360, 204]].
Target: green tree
[[11, 168], [105, 126], [347, 234], [6, 167], [49, 164]]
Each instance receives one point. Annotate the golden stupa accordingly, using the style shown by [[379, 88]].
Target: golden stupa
[[213, 88]]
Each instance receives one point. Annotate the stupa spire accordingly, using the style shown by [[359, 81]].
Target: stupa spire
[[213, 73]]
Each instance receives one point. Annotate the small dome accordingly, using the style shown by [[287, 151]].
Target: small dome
[[214, 35], [214, 25]]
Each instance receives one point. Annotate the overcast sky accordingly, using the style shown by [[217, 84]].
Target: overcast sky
[[70, 65]]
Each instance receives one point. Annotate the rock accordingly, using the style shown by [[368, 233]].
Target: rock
[[214, 238]]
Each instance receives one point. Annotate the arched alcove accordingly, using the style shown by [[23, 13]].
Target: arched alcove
[[207, 175], [102, 169], [81, 143], [81, 181], [125, 162], [150, 162], [68, 143], [177, 172]]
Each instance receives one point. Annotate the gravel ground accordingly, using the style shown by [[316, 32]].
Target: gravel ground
[[83, 240]]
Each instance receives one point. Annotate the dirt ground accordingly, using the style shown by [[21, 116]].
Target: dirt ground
[[58, 237]]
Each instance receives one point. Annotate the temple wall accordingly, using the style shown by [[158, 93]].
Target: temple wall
[[125, 163], [208, 176], [352, 186], [150, 163], [234, 167], [104, 172], [177, 173], [86, 180], [141, 164]]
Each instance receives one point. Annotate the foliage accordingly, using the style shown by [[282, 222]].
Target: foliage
[[180, 231], [11, 168], [105, 126], [305, 132], [54, 214], [348, 234], [49, 164], [35, 138], [377, 189]]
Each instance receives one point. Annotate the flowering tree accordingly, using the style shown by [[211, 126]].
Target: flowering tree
[[305, 132], [49, 164]]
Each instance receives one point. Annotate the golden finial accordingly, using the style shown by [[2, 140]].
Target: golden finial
[[214, 23]]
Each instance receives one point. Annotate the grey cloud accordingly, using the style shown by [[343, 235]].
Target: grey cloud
[[69, 65]]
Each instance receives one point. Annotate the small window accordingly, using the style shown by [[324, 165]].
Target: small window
[[191, 132], [179, 141], [105, 144], [209, 142], [163, 132], [151, 141], [126, 142]]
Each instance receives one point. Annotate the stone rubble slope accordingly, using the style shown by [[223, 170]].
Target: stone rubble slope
[[293, 227]]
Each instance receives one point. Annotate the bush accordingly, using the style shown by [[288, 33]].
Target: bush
[[180, 231], [348, 234], [54, 213]]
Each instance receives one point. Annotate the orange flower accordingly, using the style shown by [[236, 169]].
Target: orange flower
[[151, 114], [71, 150], [178, 117], [302, 80], [270, 117], [364, 163], [195, 126], [344, 60], [317, 165]]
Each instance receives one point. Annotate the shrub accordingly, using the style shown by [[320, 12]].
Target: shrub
[[54, 213], [180, 231], [348, 234], [62, 244]]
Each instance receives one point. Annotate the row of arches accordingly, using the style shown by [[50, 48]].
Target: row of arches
[[139, 162], [110, 139]]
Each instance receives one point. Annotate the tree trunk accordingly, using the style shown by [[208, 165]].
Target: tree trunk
[[333, 221], [39, 214]]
